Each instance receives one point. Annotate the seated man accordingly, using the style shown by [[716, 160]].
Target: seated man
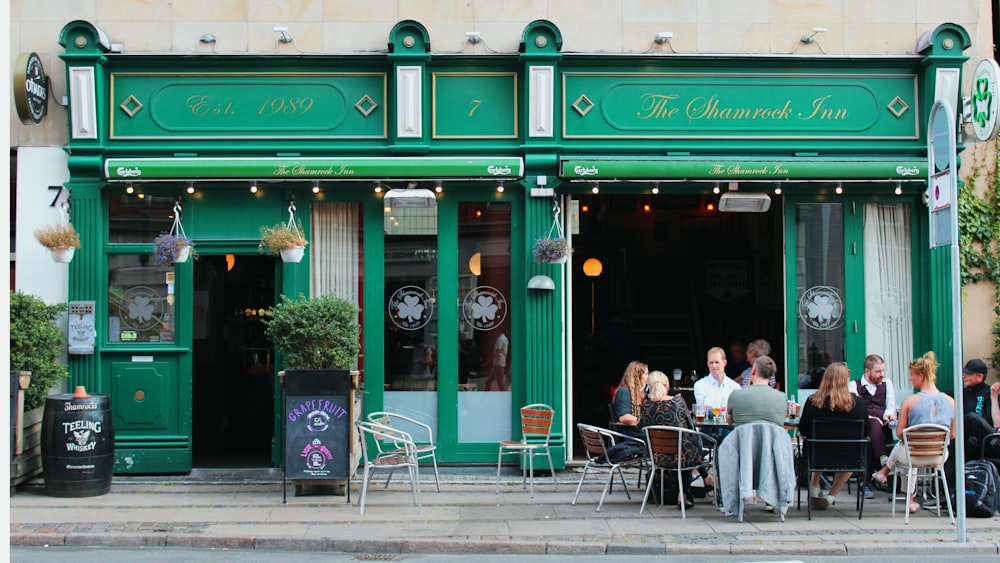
[[977, 406], [714, 389], [758, 402], [880, 402]]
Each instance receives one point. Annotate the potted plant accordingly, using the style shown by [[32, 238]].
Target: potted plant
[[551, 250], [61, 239], [284, 240], [171, 248], [315, 333], [36, 342]]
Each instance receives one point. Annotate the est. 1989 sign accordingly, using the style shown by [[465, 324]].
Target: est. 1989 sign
[[31, 89]]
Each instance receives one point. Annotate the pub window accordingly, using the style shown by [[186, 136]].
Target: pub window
[[138, 217], [140, 306]]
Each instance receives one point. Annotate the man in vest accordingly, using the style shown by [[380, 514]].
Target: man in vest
[[880, 400]]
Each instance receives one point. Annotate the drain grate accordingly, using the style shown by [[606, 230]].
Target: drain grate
[[376, 557]]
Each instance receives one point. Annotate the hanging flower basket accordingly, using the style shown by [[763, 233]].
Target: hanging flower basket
[[61, 239], [173, 247], [285, 239], [553, 248]]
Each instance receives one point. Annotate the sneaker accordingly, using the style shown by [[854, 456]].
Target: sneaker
[[869, 493], [820, 502], [769, 508]]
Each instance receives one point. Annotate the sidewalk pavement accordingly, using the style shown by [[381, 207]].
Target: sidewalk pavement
[[244, 509]]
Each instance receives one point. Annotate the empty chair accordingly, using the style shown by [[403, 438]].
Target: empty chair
[[536, 430], [926, 451], [422, 435], [990, 449], [666, 454], [756, 461], [837, 445], [402, 455], [596, 442]]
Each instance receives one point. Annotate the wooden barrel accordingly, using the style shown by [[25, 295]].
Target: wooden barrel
[[78, 445]]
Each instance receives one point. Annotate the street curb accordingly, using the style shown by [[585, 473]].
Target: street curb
[[927, 549]]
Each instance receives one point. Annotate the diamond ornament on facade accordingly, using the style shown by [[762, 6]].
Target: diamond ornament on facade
[[898, 107], [131, 105]]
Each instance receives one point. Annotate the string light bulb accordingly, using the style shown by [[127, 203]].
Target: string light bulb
[[656, 188], [253, 186], [899, 188], [378, 186], [596, 189], [190, 188], [315, 186], [715, 189], [777, 189], [500, 187], [437, 187], [129, 189], [839, 189]]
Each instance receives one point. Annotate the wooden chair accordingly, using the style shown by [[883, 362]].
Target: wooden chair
[[835, 446], [926, 449], [536, 431], [403, 455], [668, 442], [421, 433], [596, 442]]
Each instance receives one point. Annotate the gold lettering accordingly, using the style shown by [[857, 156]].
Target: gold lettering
[[475, 106], [820, 111], [657, 106]]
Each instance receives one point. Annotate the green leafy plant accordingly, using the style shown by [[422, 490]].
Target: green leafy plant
[[58, 236], [280, 237], [35, 345], [315, 333], [979, 249]]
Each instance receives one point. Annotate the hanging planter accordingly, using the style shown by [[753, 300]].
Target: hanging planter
[[285, 239], [553, 248], [173, 247], [61, 239]]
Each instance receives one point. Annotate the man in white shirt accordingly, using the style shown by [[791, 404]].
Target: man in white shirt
[[880, 401], [713, 390]]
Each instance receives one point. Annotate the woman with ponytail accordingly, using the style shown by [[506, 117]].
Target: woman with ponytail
[[928, 406]]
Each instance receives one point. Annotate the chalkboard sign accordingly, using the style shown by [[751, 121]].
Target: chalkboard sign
[[317, 424]]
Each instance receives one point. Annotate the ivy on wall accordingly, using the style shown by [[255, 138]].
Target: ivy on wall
[[979, 227]]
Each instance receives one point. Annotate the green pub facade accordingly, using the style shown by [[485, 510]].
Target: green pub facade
[[707, 198]]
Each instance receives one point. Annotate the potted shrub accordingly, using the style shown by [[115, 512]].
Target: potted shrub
[[285, 240], [35, 345], [319, 340], [171, 248], [551, 250], [61, 239]]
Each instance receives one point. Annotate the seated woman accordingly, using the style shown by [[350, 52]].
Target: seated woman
[[629, 397], [929, 406], [662, 409], [832, 401]]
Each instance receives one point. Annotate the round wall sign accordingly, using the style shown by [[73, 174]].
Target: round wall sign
[[985, 99], [31, 89]]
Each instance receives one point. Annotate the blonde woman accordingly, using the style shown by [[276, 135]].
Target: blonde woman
[[928, 406], [663, 409], [629, 396], [832, 401]]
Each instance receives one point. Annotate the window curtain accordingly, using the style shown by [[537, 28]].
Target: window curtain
[[888, 290], [336, 244]]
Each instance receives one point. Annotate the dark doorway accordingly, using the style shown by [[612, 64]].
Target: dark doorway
[[677, 278], [233, 388]]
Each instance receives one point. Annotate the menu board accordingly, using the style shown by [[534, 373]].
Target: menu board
[[317, 424]]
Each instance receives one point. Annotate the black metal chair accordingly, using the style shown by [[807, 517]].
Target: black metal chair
[[837, 446], [990, 449]]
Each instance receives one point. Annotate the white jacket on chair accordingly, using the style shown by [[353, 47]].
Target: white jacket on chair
[[757, 459]]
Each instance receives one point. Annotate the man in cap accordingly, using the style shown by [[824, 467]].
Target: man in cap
[[977, 405]]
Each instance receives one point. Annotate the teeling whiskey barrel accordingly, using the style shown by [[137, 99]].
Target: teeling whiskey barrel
[[78, 445]]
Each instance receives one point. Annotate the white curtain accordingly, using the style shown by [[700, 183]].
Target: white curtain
[[888, 290], [335, 251]]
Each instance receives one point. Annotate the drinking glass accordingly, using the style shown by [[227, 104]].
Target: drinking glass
[[699, 413]]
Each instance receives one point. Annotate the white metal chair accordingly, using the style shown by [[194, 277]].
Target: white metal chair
[[422, 435], [596, 442], [536, 431], [667, 443], [402, 455], [926, 450]]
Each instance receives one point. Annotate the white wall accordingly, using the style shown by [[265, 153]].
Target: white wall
[[36, 273]]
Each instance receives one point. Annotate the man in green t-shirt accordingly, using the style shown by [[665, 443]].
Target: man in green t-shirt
[[758, 402]]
